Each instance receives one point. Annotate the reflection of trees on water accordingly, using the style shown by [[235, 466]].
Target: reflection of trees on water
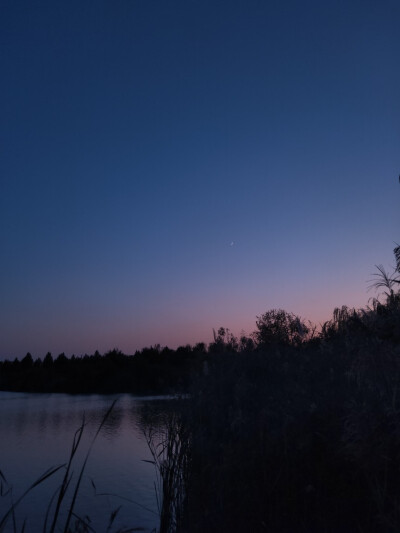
[[44, 417], [154, 414], [129, 413], [55, 414]]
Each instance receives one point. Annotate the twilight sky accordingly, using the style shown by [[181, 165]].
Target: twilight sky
[[172, 166]]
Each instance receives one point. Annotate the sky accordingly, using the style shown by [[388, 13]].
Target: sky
[[170, 167]]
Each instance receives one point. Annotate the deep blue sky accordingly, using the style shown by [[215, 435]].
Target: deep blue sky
[[140, 139]]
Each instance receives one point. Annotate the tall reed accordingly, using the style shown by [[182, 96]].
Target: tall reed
[[170, 447]]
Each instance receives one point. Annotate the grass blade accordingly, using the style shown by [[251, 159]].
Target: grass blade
[[43, 477], [71, 509], [67, 478]]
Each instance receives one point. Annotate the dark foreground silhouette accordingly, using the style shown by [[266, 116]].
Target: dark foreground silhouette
[[296, 433]]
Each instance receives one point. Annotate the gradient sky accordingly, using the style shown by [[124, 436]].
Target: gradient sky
[[141, 138]]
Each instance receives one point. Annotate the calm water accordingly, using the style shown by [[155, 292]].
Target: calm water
[[36, 433]]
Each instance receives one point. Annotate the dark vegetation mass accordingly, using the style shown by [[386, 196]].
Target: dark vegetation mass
[[291, 429]]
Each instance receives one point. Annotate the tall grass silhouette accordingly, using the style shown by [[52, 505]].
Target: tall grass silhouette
[[169, 445]]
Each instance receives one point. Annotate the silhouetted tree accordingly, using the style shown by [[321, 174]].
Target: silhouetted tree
[[27, 361], [200, 347], [224, 341], [246, 344], [48, 361], [280, 327], [61, 361]]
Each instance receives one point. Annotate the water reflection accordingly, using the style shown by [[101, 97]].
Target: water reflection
[[37, 431]]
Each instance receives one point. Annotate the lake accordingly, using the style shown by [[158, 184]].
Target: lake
[[36, 433]]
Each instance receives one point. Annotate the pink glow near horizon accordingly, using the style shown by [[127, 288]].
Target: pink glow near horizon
[[173, 132]]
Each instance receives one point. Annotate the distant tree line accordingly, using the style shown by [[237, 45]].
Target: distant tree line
[[150, 371]]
